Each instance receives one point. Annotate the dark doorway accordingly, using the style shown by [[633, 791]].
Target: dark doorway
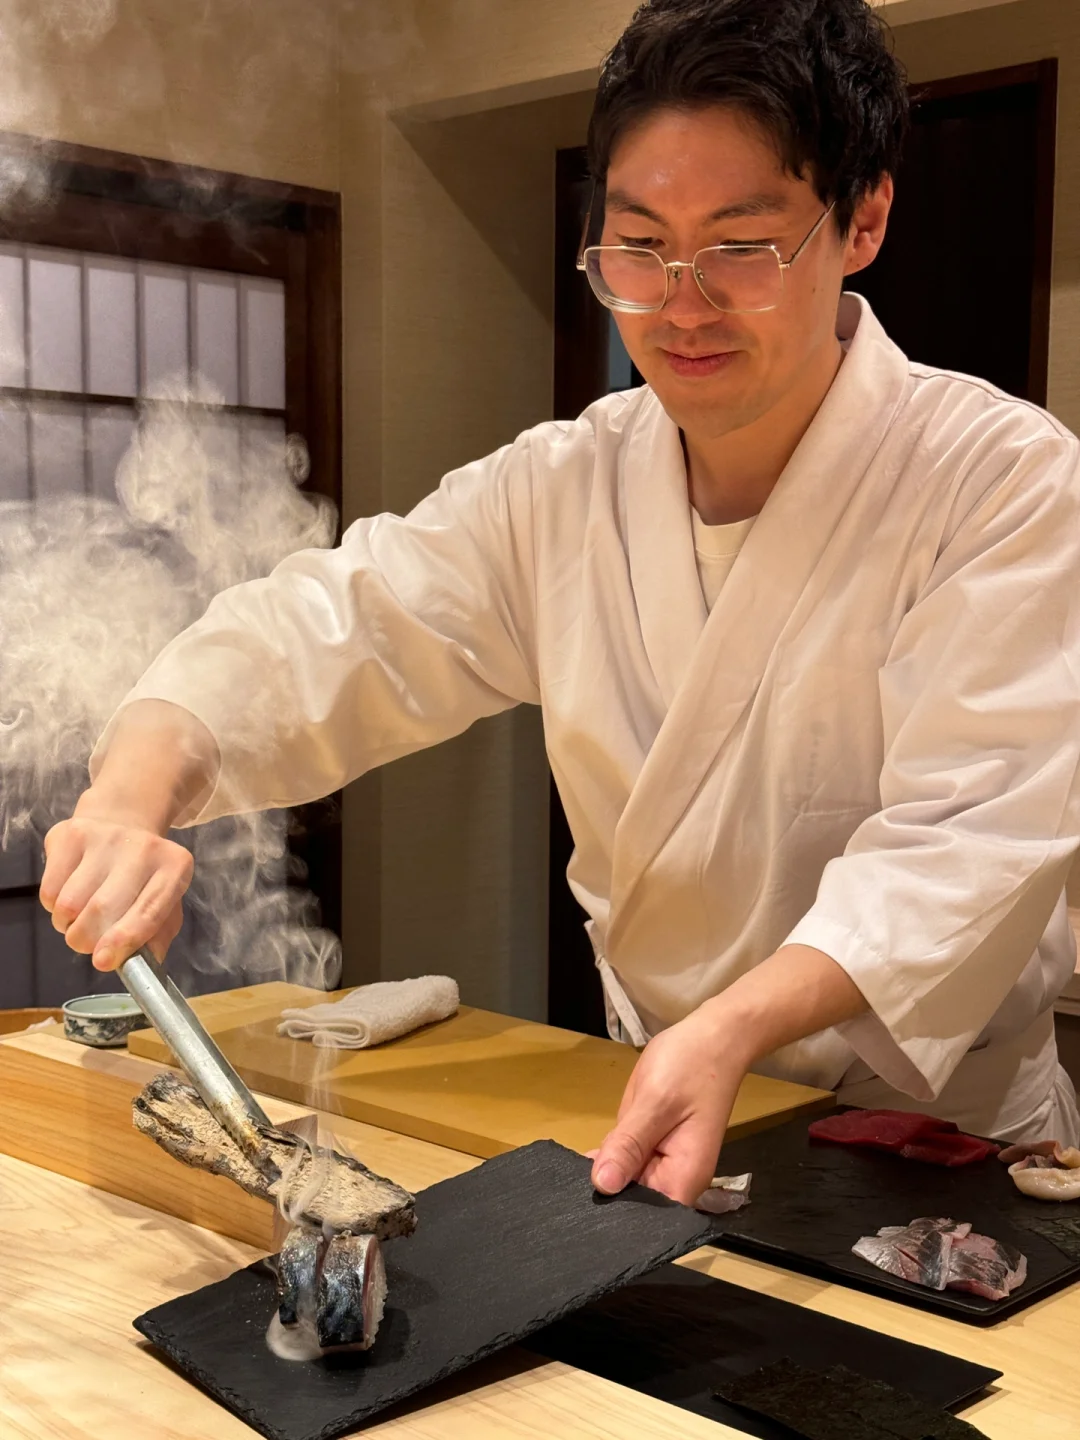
[[963, 278], [962, 282]]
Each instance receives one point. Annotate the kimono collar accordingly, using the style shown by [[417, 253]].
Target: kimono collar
[[708, 667]]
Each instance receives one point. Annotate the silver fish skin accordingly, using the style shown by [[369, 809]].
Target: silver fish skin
[[918, 1252], [297, 1269], [986, 1267], [351, 1293], [942, 1255]]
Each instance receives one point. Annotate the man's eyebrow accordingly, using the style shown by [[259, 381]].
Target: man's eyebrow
[[764, 203]]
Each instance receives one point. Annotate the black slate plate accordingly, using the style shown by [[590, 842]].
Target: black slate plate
[[498, 1253], [676, 1335], [810, 1201]]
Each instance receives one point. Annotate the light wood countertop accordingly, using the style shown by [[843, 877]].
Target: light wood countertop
[[80, 1264]]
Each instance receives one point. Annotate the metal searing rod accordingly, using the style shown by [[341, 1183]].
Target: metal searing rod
[[226, 1096]]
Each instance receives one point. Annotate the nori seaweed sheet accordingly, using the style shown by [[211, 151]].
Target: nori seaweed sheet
[[1061, 1230], [838, 1404]]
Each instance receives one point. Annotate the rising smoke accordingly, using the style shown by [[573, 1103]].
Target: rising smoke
[[92, 589], [90, 592]]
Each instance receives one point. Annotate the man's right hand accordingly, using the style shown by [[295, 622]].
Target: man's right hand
[[113, 881], [112, 885]]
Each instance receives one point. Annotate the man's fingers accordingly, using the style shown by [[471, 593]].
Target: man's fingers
[[120, 909], [685, 1166], [63, 854], [619, 1161], [151, 916], [159, 945], [628, 1148], [95, 898]]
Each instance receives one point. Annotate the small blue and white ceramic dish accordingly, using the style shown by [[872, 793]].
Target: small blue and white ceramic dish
[[102, 1020]]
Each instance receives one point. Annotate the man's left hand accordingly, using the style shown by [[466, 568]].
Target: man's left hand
[[678, 1102], [674, 1111]]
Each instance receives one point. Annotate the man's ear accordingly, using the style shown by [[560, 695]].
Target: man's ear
[[868, 225]]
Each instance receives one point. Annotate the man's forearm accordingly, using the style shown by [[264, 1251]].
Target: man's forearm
[[160, 758], [794, 993]]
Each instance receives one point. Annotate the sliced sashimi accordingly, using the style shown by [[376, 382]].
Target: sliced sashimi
[[904, 1132], [1044, 1153], [726, 1193], [985, 1267], [1038, 1177], [918, 1252], [940, 1254], [1012, 1153]]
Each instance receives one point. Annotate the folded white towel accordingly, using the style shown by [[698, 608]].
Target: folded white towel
[[371, 1014]]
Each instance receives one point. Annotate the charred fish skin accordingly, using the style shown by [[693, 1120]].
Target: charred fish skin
[[297, 1270], [351, 1292], [349, 1196]]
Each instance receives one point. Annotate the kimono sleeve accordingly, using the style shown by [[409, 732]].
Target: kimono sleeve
[[341, 660], [940, 899]]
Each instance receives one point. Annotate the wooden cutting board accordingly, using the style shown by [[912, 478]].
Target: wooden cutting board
[[479, 1082]]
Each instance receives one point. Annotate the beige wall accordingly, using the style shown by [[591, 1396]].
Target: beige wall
[[452, 56], [448, 294], [242, 85]]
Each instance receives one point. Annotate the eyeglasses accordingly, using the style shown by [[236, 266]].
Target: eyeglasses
[[738, 279]]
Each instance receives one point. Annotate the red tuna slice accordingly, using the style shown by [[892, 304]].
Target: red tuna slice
[[949, 1149], [904, 1132]]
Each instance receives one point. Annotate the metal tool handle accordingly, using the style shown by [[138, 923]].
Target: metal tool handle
[[226, 1096]]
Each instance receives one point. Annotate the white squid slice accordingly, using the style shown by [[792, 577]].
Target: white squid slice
[[1046, 1182]]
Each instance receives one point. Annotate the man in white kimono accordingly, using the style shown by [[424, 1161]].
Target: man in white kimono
[[802, 617]]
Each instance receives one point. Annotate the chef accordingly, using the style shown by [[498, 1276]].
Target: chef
[[802, 616]]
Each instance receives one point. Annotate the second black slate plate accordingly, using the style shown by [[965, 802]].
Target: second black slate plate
[[810, 1201], [676, 1334], [498, 1253]]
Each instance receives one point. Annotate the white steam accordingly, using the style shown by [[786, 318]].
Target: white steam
[[92, 589], [90, 592]]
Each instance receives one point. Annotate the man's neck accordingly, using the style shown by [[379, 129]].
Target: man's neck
[[731, 476]]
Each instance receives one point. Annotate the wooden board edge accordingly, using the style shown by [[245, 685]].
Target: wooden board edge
[[76, 1121]]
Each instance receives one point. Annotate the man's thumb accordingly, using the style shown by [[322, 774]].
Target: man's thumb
[[623, 1155]]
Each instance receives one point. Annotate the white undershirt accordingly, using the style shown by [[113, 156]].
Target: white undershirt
[[717, 548]]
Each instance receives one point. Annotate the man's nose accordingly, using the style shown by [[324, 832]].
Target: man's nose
[[686, 305]]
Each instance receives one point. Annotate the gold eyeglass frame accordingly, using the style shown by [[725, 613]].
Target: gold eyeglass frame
[[672, 268]]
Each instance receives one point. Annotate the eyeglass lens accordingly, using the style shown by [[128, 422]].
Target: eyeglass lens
[[746, 278]]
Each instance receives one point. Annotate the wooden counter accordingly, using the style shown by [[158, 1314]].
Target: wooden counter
[[478, 1082], [79, 1265]]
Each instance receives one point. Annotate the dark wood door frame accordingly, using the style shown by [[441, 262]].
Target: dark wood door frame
[[111, 203], [1042, 75]]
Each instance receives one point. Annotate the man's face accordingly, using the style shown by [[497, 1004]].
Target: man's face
[[680, 181]]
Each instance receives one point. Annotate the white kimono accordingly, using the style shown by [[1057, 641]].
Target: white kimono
[[870, 745]]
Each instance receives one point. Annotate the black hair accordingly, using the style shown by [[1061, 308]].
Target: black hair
[[819, 77]]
